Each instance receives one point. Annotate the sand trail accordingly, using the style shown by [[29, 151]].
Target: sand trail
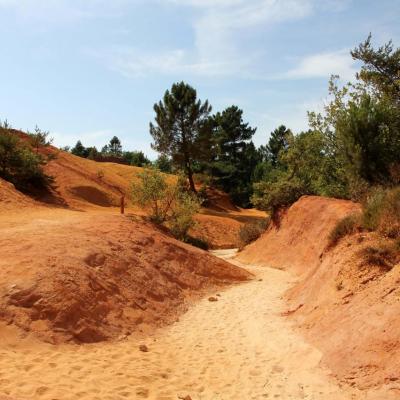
[[236, 348]]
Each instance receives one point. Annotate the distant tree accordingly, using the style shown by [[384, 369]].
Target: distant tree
[[164, 164], [115, 147], [381, 67], [79, 150], [235, 156], [93, 153], [179, 129], [136, 158], [105, 150], [40, 139], [278, 142]]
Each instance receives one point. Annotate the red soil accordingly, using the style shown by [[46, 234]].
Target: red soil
[[73, 269], [347, 308], [87, 277]]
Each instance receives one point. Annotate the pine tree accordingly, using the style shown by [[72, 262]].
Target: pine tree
[[180, 124]]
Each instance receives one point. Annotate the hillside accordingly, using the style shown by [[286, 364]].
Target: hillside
[[83, 184], [345, 306], [88, 277]]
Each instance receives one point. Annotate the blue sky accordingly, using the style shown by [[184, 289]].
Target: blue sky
[[91, 69]]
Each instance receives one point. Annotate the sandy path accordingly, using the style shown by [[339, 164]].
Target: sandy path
[[237, 348]]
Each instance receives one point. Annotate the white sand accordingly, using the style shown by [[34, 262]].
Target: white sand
[[237, 348]]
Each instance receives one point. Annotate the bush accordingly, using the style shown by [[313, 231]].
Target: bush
[[346, 226], [185, 206], [275, 196], [389, 221], [20, 165], [372, 209], [384, 255], [252, 231], [171, 205], [382, 212]]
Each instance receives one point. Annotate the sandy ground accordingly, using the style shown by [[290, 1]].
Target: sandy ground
[[239, 347]]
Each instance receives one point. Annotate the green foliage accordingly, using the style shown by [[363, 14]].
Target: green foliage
[[250, 232], [234, 155], [384, 255], [136, 158], [20, 165], [40, 139], [274, 196], [185, 206], [164, 164], [153, 192], [80, 150], [381, 212], [115, 147], [372, 209], [380, 67], [171, 205], [346, 226], [182, 127], [277, 144]]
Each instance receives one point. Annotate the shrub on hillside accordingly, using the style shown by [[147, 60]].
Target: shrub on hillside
[[275, 196], [169, 204], [384, 255], [346, 226], [20, 165], [252, 231], [381, 212], [185, 206]]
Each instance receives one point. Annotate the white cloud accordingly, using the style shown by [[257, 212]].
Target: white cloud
[[216, 51], [322, 65]]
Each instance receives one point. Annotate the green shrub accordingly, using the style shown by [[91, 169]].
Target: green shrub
[[384, 255], [20, 165], [185, 206], [252, 231], [381, 212], [346, 226], [274, 196], [171, 205], [389, 221], [372, 209]]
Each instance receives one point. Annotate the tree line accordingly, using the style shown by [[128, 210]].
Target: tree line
[[351, 147]]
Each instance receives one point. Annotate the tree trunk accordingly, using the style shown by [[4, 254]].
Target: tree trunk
[[190, 177]]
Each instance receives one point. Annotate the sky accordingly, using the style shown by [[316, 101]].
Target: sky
[[92, 69]]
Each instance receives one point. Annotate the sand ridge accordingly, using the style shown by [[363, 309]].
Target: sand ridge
[[239, 347]]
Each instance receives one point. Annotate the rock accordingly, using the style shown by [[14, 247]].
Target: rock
[[184, 397], [143, 348], [218, 295], [212, 298]]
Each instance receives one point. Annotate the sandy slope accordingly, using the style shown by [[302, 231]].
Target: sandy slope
[[237, 348]]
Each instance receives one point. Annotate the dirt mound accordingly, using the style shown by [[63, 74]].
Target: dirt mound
[[218, 200], [299, 241], [345, 306], [11, 197], [87, 277]]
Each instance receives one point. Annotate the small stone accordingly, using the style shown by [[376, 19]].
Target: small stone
[[184, 397], [143, 348], [212, 298], [218, 295]]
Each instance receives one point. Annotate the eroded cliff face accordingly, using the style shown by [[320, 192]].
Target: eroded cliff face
[[346, 306]]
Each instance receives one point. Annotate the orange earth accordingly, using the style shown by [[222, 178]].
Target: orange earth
[[98, 305]]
